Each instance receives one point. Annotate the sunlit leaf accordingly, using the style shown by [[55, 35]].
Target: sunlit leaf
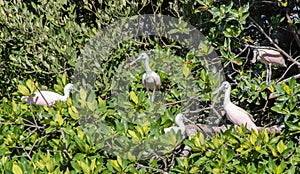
[[281, 146], [30, 85], [17, 169], [185, 70], [133, 97], [23, 90]]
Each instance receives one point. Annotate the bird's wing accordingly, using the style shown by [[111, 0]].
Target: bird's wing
[[272, 56], [51, 98], [156, 79], [239, 116], [144, 79]]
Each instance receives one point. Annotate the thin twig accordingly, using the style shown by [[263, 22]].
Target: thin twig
[[65, 144], [285, 72], [41, 94], [273, 43], [288, 79]]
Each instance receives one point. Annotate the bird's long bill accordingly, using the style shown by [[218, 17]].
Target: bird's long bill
[[136, 60], [219, 89], [75, 89]]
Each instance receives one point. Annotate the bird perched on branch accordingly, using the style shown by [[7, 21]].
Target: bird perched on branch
[[48, 98], [235, 114], [150, 79], [268, 57]]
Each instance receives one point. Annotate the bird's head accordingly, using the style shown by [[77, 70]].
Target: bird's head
[[255, 55], [180, 118], [143, 56], [69, 87], [225, 86]]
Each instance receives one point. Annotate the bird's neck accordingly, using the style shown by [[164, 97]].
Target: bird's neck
[[66, 94], [227, 97], [147, 66], [181, 126]]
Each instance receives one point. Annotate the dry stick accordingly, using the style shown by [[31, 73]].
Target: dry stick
[[18, 147], [196, 111], [33, 146], [65, 146], [41, 94], [286, 80], [273, 43], [286, 70]]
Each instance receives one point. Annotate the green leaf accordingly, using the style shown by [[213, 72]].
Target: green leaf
[[119, 160], [30, 85], [101, 102], [23, 90], [172, 137], [253, 138], [85, 167], [281, 146], [17, 169], [91, 106], [64, 79], [185, 70], [93, 165], [286, 89], [133, 97], [133, 135], [59, 119], [115, 165]]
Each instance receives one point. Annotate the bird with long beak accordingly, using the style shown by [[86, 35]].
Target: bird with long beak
[[268, 57], [150, 79], [235, 114], [49, 98]]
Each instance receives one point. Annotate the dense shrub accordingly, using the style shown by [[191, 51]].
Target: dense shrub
[[41, 43]]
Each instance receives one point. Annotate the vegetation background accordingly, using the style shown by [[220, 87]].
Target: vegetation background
[[40, 42]]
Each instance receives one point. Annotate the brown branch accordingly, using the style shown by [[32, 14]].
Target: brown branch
[[286, 71], [287, 79]]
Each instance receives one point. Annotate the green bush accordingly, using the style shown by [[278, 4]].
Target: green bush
[[42, 42]]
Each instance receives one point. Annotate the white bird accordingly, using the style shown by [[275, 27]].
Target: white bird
[[48, 98], [268, 57], [150, 79], [235, 114], [180, 125]]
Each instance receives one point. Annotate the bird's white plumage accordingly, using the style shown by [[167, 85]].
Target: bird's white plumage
[[239, 116], [235, 114], [44, 98], [180, 125], [150, 79]]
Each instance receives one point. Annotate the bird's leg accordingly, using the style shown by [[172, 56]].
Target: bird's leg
[[270, 72], [268, 75], [153, 94]]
